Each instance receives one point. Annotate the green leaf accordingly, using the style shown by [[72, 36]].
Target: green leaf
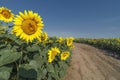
[[49, 78], [15, 39], [44, 71], [2, 36], [62, 73], [40, 75], [50, 68], [27, 71], [40, 61], [5, 73], [55, 76], [33, 48], [34, 64], [8, 56]]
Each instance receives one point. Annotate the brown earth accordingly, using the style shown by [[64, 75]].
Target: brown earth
[[90, 63]]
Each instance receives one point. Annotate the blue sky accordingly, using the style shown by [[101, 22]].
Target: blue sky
[[77, 18]]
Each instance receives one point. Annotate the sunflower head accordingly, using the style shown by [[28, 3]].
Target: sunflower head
[[6, 15], [43, 37], [60, 40], [72, 46], [28, 26], [52, 53], [70, 41], [65, 55]]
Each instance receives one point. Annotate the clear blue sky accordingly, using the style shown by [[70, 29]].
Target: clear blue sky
[[77, 18]]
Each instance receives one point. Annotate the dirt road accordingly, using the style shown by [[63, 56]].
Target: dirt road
[[89, 63]]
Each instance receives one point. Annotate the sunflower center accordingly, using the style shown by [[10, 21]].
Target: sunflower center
[[64, 55], [6, 14], [29, 27], [54, 53]]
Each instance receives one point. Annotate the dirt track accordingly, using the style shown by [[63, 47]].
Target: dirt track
[[89, 63]]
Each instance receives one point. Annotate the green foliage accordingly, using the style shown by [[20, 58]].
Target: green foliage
[[8, 56], [29, 61], [5, 72]]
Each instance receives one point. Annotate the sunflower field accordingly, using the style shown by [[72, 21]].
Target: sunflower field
[[111, 44], [28, 53]]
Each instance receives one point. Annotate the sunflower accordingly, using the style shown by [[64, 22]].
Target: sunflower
[[72, 46], [6, 15], [28, 26], [43, 37], [70, 41], [60, 39], [65, 55], [52, 53]]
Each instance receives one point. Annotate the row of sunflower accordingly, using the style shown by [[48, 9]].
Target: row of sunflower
[[26, 52], [112, 44]]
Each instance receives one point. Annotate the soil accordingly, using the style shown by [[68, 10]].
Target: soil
[[90, 63]]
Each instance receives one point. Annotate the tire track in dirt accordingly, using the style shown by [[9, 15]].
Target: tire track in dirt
[[90, 63]]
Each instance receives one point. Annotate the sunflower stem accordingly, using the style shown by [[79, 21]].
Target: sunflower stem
[[17, 71]]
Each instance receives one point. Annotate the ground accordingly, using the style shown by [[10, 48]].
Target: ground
[[90, 63]]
